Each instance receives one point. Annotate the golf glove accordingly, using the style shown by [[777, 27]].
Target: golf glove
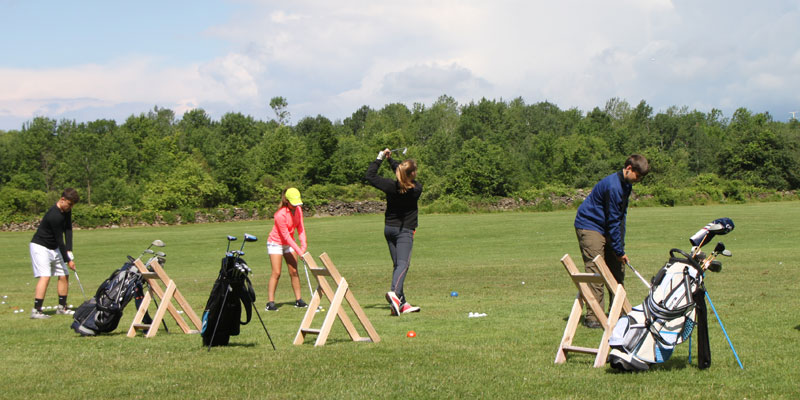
[[381, 155]]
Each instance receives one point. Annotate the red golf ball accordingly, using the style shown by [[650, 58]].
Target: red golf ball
[[411, 334]]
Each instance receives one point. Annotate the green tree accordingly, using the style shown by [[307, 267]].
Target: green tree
[[278, 105]]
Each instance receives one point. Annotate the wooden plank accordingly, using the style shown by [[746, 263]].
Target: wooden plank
[[569, 331], [299, 338], [333, 311], [612, 282], [187, 309], [351, 299], [166, 303], [613, 316], [140, 314], [578, 349]]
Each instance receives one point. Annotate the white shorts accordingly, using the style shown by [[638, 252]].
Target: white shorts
[[274, 248], [47, 262]]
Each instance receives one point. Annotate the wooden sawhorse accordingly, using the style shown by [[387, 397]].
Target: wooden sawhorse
[[584, 297], [336, 298], [152, 278]]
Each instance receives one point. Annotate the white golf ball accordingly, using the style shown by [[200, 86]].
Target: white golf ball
[[5, 297], [16, 311], [70, 306], [523, 283], [3, 302], [21, 310]]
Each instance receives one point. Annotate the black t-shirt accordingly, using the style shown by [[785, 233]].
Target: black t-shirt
[[401, 208], [55, 231]]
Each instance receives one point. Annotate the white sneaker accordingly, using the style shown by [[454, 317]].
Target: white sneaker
[[408, 308], [38, 314], [61, 310], [394, 302]]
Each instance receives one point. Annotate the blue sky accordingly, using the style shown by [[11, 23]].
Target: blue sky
[[91, 60]]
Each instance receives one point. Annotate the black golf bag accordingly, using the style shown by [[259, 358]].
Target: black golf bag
[[231, 292], [102, 312]]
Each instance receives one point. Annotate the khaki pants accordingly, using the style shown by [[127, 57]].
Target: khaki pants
[[593, 244]]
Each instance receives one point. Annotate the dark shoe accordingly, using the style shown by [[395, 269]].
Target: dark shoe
[[299, 303], [271, 306], [592, 324]]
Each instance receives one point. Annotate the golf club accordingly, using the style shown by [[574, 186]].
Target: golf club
[[79, 283], [310, 290], [230, 239], [639, 275], [247, 238], [404, 150]]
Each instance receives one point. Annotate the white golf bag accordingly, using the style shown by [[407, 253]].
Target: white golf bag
[[665, 319]]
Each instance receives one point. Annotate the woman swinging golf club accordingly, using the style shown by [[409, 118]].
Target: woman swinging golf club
[[281, 244], [400, 221]]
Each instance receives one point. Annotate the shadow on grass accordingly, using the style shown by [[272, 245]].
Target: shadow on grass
[[674, 364], [797, 327]]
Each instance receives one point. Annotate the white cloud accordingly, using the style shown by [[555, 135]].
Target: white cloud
[[330, 58]]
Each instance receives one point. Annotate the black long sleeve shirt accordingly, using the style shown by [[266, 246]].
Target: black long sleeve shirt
[[401, 208], [55, 231]]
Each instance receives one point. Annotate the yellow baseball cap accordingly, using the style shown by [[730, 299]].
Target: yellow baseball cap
[[293, 195]]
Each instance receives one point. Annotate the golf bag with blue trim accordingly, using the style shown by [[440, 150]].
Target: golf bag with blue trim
[[102, 313], [666, 318], [231, 291], [672, 310]]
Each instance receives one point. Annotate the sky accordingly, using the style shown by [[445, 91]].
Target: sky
[[90, 60]]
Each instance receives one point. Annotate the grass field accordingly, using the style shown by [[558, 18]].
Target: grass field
[[484, 257]]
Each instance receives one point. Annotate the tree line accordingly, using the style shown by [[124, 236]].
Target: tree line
[[480, 151]]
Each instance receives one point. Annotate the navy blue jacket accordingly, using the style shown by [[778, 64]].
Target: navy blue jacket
[[605, 209]]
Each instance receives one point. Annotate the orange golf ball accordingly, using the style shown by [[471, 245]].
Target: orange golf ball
[[411, 334]]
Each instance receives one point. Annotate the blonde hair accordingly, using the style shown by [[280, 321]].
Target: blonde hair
[[284, 200], [404, 172]]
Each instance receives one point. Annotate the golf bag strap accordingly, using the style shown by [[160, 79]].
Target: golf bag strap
[[703, 347], [247, 296]]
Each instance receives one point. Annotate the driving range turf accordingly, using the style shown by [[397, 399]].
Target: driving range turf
[[505, 265]]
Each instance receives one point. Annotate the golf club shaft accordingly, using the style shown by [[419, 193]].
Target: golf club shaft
[[639, 275], [310, 291], [79, 283]]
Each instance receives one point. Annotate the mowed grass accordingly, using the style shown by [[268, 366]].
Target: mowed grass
[[484, 257]]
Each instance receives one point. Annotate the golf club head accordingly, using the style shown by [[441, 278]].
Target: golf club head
[[715, 266], [148, 251], [248, 238], [402, 151], [157, 243], [719, 248], [230, 239], [721, 226], [726, 253], [160, 254]]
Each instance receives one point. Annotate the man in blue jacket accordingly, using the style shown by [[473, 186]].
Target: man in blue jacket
[[600, 225]]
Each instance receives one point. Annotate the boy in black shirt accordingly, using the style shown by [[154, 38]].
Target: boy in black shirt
[[51, 253]]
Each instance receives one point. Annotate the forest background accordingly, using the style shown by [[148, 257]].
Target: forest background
[[157, 168]]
